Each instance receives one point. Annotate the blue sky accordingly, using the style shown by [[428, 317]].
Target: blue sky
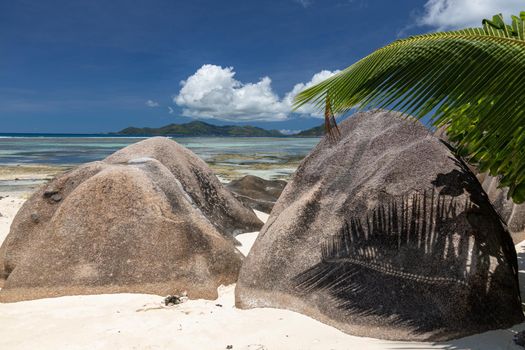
[[97, 66]]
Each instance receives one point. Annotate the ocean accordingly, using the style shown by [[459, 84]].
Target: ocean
[[229, 157]]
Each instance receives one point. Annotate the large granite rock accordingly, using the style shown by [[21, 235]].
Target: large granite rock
[[257, 193], [512, 214], [198, 181], [126, 224], [385, 234]]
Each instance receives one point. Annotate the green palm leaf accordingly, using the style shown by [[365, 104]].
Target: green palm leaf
[[470, 81]]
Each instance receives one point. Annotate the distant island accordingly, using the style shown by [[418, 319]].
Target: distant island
[[317, 131], [199, 128]]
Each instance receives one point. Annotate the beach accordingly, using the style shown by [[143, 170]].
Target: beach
[[141, 321], [209, 175]]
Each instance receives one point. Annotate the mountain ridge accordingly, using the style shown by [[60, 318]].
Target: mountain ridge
[[200, 128], [316, 131]]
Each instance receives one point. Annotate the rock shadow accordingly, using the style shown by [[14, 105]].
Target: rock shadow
[[415, 263]]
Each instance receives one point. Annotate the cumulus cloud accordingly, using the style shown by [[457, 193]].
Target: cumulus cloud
[[453, 14], [213, 92], [152, 104], [308, 109]]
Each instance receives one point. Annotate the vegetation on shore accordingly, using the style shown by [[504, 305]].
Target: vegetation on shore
[[316, 131], [468, 81], [199, 128]]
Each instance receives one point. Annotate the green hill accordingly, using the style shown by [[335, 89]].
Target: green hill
[[198, 128], [317, 131]]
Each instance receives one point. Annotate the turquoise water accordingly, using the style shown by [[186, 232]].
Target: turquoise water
[[230, 158], [67, 150]]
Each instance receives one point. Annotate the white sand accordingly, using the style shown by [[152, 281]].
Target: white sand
[[8, 208], [247, 239], [138, 321]]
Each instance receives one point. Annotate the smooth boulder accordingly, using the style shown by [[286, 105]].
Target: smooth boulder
[[385, 233], [257, 193], [199, 182], [125, 226]]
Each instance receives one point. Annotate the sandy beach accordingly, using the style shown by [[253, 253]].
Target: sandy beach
[[139, 321], [206, 175]]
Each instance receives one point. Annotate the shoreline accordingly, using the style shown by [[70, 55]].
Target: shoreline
[[24, 179], [229, 157]]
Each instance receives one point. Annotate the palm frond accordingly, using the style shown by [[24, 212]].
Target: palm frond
[[471, 81]]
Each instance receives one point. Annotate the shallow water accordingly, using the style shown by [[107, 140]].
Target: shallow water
[[74, 150], [230, 157]]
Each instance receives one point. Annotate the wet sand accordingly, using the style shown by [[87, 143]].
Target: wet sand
[[24, 179]]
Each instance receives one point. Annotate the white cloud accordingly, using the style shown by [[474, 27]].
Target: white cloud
[[453, 14], [213, 92], [308, 109], [170, 110], [289, 131], [152, 104]]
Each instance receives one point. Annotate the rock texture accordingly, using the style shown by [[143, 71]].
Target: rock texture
[[126, 224], [385, 234], [198, 181], [257, 193], [512, 214]]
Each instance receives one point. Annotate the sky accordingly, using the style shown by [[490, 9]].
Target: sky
[[94, 66]]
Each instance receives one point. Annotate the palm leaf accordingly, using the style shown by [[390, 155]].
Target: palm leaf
[[470, 81]]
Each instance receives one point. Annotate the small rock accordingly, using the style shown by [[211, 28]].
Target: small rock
[[56, 197], [17, 179], [53, 194], [49, 193], [35, 217], [1, 216], [519, 338], [171, 300], [229, 346], [219, 305]]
